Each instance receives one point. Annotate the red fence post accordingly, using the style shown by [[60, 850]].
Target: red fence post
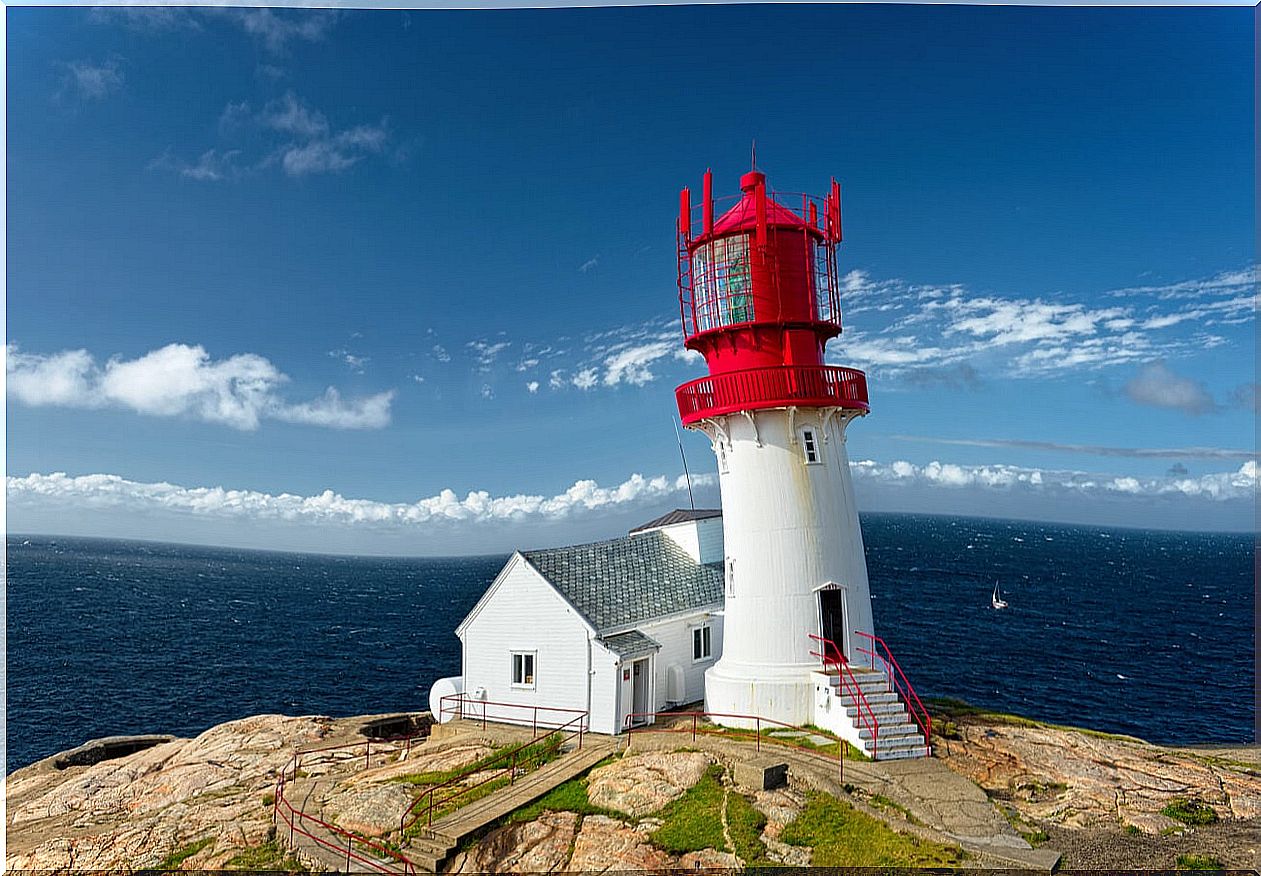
[[758, 727], [367, 755], [693, 726]]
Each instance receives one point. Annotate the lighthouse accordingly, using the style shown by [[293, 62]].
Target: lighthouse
[[759, 299]]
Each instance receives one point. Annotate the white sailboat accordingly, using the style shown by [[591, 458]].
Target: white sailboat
[[996, 598]]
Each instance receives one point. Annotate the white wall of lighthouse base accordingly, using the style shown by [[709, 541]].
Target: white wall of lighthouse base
[[790, 531], [829, 712], [781, 693]]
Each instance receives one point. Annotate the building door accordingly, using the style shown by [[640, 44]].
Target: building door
[[833, 624], [639, 684]]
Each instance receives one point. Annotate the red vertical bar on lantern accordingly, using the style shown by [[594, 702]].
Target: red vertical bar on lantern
[[707, 203], [685, 214], [759, 202], [836, 207]]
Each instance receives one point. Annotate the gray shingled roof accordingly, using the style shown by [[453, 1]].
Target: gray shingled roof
[[632, 644], [680, 515], [629, 580]]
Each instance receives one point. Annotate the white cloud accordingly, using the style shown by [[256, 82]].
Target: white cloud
[[532, 387], [112, 491], [353, 362], [586, 378], [485, 353], [182, 380], [1157, 386], [297, 137], [290, 116], [440, 353], [331, 411], [630, 365], [487, 392], [87, 80], [589, 265], [1240, 484], [275, 29]]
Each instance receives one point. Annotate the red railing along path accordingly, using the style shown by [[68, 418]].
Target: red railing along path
[[504, 763], [696, 729], [774, 386], [900, 683], [297, 821], [833, 655]]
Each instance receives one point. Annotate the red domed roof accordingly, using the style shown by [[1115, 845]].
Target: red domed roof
[[744, 215]]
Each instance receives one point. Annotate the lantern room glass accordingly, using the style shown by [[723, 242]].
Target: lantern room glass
[[722, 284]]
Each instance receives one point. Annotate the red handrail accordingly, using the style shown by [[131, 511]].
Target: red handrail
[[905, 690], [290, 815], [511, 756], [837, 659], [757, 719]]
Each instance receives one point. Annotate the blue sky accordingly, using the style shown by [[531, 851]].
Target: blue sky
[[283, 277]]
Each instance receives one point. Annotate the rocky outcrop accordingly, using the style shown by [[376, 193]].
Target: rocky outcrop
[[1081, 779], [781, 806], [135, 810], [643, 783], [607, 845], [539, 846]]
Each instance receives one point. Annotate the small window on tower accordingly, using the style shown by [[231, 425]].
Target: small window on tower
[[731, 577], [810, 445]]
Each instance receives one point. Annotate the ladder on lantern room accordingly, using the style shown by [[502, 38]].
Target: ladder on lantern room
[[876, 709]]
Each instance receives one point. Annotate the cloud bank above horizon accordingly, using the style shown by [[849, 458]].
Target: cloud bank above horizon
[[584, 496]]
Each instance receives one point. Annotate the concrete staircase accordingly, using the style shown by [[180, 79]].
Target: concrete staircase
[[837, 709]]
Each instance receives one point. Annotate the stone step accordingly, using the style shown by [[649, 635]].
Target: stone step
[[903, 753], [891, 711], [890, 732], [876, 682], [871, 699]]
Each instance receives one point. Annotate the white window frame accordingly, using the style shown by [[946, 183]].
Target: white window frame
[[534, 666], [703, 635], [810, 446]]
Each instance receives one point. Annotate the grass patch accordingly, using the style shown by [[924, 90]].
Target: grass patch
[[841, 836], [173, 860], [883, 802], [692, 822], [1199, 862], [1132, 829], [1190, 812], [568, 797], [268, 856], [745, 823]]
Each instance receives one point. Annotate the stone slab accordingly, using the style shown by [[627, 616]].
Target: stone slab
[[761, 773]]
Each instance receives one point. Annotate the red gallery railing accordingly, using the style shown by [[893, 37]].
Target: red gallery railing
[[832, 655], [775, 386], [900, 683], [503, 763]]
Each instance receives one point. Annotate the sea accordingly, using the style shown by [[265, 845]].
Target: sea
[[1147, 633]]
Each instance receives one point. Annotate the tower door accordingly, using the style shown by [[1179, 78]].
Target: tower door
[[833, 624]]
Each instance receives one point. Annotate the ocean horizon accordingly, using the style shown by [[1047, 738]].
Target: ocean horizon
[[1138, 631]]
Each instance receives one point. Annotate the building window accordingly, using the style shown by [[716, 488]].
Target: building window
[[701, 643], [523, 669], [730, 577], [810, 446]]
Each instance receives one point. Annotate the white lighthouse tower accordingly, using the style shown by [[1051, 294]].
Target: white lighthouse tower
[[759, 299]]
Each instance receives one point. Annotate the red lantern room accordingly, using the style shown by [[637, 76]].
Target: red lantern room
[[759, 298]]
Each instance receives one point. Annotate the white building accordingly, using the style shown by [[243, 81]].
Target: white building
[[612, 628]]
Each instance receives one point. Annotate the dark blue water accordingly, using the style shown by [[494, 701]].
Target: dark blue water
[[1147, 633]]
